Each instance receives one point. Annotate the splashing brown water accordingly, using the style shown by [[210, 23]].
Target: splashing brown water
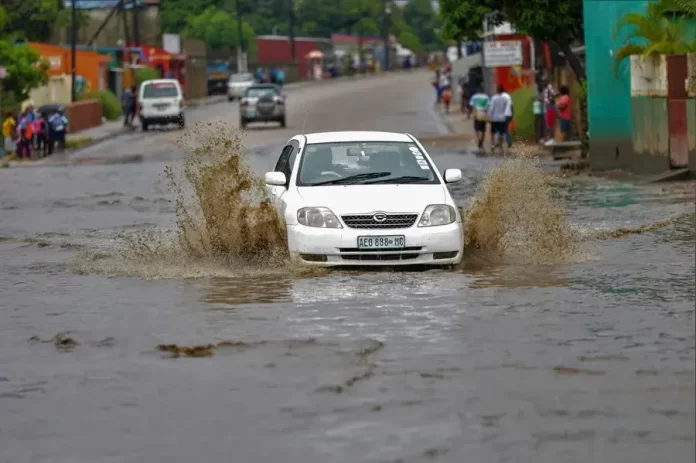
[[515, 217], [225, 222]]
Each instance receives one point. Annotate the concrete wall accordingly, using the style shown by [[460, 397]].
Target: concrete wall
[[609, 96], [650, 135]]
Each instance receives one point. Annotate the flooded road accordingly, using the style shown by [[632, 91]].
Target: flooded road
[[500, 361]]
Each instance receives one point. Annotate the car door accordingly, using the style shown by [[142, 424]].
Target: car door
[[285, 165]]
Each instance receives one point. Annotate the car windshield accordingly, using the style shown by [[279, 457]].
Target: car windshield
[[160, 90], [364, 163], [241, 78], [259, 92]]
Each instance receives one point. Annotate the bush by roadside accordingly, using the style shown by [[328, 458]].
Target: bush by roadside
[[146, 73], [111, 107], [523, 102]]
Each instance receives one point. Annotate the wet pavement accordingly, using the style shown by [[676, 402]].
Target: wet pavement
[[590, 361]]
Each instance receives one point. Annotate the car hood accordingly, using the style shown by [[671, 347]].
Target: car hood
[[362, 199]]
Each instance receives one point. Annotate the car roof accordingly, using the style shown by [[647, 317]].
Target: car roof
[[355, 136], [161, 81]]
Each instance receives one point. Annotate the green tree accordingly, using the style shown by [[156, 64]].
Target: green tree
[[463, 20], [410, 40], [420, 16], [25, 71], [660, 30], [219, 30], [34, 20]]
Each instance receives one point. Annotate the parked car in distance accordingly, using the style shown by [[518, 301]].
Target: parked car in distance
[[262, 103], [161, 102], [365, 199], [238, 84]]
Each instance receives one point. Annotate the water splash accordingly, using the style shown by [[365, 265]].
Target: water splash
[[516, 216], [225, 222]]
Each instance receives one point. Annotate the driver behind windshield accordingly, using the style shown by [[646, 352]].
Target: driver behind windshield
[[316, 163]]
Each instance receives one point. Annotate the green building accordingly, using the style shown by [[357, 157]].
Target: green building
[[609, 95]]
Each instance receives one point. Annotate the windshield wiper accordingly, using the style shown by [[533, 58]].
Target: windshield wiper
[[352, 178], [402, 179]]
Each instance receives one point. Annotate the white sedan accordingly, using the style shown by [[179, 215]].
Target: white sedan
[[365, 198]]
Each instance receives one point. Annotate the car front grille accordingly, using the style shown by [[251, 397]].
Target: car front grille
[[390, 221], [380, 257]]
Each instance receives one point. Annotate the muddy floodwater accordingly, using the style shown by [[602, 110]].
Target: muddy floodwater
[[584, 361]]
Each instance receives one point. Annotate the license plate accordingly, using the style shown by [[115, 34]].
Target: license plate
[[381, 242], [162, 107]]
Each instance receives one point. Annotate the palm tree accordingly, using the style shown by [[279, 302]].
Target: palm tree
[[661, 30]]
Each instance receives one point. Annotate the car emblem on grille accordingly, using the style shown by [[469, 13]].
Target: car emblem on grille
[[379, 217]]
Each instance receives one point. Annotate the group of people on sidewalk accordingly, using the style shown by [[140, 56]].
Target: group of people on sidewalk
[[496, 110], [549, 106], [275, 75], [32, 132]]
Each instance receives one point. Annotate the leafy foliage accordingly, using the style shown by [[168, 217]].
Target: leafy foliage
[[111, 106], [219, 30], [410, 40], [145, 73], [34, 20], [660, 30], [316, 18], [24, 70]]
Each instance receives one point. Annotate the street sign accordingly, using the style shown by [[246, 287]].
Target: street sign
[[502, 53], [3, 73]]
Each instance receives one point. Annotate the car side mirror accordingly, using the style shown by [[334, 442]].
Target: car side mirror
[[453, 175], [275, 179]]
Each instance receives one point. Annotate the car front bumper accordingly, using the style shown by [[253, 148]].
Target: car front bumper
[[441, 245], [236, 92], [252, 115], [162, 118]]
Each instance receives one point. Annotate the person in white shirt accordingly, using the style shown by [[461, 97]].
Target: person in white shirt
[[499, 109], [508, 119]]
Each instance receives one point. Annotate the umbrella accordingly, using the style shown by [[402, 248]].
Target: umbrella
[[315, 54]]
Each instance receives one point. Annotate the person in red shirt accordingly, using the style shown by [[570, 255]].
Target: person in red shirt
[[565, 113]]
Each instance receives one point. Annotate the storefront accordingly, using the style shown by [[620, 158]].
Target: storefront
[[170, 66]]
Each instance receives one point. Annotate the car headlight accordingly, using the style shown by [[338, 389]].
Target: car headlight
[[437, 214], [318, 217]]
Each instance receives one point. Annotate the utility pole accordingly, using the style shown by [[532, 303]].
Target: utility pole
[[291, 27], [136, 23], [385, 27], [240, 37], [73, 51]]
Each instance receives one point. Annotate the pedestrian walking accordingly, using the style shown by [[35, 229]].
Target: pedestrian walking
[[41, 132], [539, 124], [127, 105], [25, 134], [134, 104], [479, 103], [9, 130], [58, 124], [498, 111], [549, 95], [280, 77], [565, 113], [508, 119]]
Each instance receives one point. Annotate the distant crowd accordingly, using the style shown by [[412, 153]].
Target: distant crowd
[[32, 131], [550, 108]]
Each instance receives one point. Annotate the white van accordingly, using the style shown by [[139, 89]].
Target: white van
[[161, 102]]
